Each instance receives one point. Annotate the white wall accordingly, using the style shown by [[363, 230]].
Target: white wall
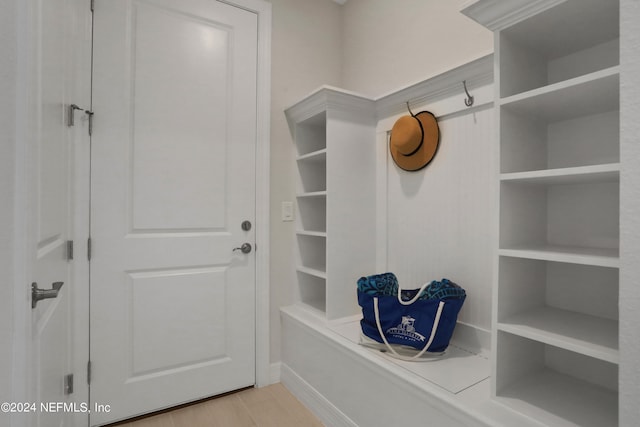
[[306, 53], [390, 44], [629, 373]]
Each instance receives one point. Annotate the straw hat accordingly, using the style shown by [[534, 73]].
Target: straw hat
[[414, 140]]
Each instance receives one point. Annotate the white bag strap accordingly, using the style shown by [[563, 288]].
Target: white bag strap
[[415, 298], [434, 329]]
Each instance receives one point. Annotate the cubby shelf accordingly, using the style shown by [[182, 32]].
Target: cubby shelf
[[560, 176], [315, 156], [589, 335], [312, 272], [312, 194], [312, 233], [581, 96], [601, 257]]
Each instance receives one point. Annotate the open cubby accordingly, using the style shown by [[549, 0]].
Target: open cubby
[[312, 171], [581, 216], [554, 385], [312, 213], [572, 306], [532, 142], [572, 39], [312, 290], [312, 251], [311, 134]]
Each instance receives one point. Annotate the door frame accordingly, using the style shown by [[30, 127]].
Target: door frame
[[262, 9], [19, 193]]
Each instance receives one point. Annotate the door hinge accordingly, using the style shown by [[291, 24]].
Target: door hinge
[[92, 5], [90, 114], [68, 384], [89, 249], [89, 372], [69, 250]]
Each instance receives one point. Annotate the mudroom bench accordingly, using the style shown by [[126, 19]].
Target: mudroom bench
[[346, 384]]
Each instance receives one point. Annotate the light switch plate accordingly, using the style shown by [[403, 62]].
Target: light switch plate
[[287, 211]]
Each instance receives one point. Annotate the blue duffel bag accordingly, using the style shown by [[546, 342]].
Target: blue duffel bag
[[423, 319]]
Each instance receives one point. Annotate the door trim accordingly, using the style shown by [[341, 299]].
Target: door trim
[[263, 132], [262, 9]]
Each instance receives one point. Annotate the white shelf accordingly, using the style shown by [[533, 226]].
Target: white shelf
[[592, 93], [557, 399], [315, 156], [312, 233], [589, 335], [601, 257], [313, 194], [312, 272], [574, 175]]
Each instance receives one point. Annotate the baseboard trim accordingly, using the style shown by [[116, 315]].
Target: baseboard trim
[[313, 400]]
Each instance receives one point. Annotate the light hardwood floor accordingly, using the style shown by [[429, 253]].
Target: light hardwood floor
[[272, 406]]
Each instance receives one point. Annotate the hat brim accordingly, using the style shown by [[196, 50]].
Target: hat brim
[[427, 151]]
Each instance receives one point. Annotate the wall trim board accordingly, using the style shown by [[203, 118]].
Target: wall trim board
[[499, 14], [477, 74], [322, 408]]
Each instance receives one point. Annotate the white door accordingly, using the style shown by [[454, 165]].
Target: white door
[[172, 180], [50, 219]]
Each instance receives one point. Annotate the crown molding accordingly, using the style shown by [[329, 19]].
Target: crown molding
[[327, 98], [499, 14], [330, 98]]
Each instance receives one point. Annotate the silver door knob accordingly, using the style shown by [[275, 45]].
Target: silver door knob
[[245, 248], [38, 294]]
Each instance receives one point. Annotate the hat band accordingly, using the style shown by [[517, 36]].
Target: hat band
[[421, 139]]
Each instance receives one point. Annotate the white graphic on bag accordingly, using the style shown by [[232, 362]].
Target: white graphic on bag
[[406, 330]]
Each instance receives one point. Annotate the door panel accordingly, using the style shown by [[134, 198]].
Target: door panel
[[173, 177]]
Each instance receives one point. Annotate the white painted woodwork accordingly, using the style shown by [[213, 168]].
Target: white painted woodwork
[[556, 320], [50, 220], [367, 388], [335, 239], [629, 375], [555, 386], [439, 219], [173, 177]]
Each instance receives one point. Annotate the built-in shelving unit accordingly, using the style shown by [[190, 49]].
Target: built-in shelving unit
[[556, 321], [334, 134]]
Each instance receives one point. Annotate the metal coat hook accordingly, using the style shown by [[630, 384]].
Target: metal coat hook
[[469, 100], [409, 108]]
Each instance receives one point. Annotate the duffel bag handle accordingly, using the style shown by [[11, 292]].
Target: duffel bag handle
[[434, 329]]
